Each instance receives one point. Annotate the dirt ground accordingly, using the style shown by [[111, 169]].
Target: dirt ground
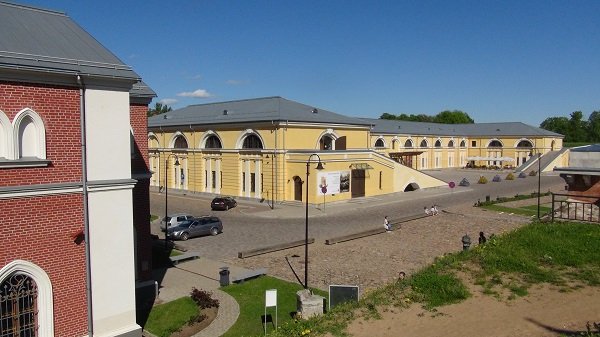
[[376, 260]]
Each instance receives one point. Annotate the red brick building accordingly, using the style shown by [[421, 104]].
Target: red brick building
[[73, 181]]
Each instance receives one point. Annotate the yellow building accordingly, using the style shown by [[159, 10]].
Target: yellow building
[[263, 148]]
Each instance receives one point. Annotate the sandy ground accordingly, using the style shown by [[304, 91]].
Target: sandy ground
[[544, 312], [376, 260]]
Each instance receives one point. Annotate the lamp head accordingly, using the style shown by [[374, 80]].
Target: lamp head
[[320, 166], [176, 161]]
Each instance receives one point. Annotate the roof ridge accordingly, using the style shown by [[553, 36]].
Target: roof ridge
[[237, 100], [33, 8]]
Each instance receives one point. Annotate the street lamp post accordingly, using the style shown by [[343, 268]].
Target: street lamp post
[[167, 197], [539, 184], [319, 167], [539, 174]]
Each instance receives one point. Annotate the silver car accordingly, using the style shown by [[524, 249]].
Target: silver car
[[174, 220], [197, 227]]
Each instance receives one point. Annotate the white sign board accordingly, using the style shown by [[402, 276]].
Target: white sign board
[[271, 298], [329, 180]]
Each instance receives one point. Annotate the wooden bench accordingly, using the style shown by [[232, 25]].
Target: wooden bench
[[395, 226], [183, 257], [274, 248], [249, 275]]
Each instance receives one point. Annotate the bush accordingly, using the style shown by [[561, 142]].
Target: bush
[[203, 299], [510, 176], [532, 173], [482, 180]]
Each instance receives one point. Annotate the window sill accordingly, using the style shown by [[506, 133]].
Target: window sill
[[23, 163]]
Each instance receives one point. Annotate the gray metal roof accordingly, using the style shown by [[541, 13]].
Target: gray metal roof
[[386, 126], [141, 89], [43, 40], [251, 110], [587, 148]]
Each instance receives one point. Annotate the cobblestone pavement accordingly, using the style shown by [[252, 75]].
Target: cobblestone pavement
[[373, 261]]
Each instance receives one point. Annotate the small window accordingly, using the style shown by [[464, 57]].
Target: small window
[[495, 143], [463, 144], [473, 143], [451, 143], [408, 143], [326, 143], [438, 143], [423, 143], [379, 143]]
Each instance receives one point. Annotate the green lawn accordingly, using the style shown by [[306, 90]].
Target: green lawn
[[526, 210], [251, 297], [167, 318]]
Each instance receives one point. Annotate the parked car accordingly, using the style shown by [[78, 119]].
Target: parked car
[[197, 227], [174, 220], [223, 203]]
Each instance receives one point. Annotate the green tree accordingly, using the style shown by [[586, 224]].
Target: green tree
[[386, 115], [453, 117], [158, 109], [594, 126], [577, 127], [557, 124]]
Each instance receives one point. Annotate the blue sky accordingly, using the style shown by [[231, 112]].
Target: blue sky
[[496, 60]]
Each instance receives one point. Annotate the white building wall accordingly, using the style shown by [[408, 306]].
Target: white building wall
[[107, 129]]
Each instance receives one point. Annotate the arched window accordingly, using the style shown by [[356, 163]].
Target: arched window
[[438, 143], [463, 144], [495, 143], [379, 143], [153, 142], [30, 135], [252, 142], [408, 143], [180, 143], [451, 143], [326, 143], [26, 307], [423, 143], [213, 142], [525, 144]]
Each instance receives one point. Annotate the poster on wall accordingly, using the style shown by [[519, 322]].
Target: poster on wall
[[333, 182]]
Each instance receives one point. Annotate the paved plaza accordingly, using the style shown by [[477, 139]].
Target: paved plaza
[[368, 262]]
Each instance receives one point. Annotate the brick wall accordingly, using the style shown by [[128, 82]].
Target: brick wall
[[58, 108], [39, 229], [141, 192]]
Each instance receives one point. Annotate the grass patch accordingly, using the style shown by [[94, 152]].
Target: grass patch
[[530, 210], [167, 318], [250, 295], [153, 217]]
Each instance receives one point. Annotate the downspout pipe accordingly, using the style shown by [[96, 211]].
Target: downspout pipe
[[86, 219]]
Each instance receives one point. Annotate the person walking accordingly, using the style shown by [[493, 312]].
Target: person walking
[[386, 224]]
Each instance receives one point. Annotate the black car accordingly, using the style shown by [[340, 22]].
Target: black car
[[197, 227], [223, 203]]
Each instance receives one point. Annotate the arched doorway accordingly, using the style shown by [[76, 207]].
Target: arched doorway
[[297, 188], [411, 187]]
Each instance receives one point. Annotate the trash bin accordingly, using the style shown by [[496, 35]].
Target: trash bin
[[224, 276], [487, 198], [466, 242]]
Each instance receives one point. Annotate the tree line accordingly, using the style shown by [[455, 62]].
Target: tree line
[[575, 129], [445, 117]]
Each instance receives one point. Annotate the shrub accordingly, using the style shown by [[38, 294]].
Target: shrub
[[482, 180], [510, 176], [532, 173], [203, 299]]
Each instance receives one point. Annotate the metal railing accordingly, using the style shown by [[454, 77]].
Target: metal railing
[[576, 207]]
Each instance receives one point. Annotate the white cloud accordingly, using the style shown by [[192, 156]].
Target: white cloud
[[200, 93], [167, 101]]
